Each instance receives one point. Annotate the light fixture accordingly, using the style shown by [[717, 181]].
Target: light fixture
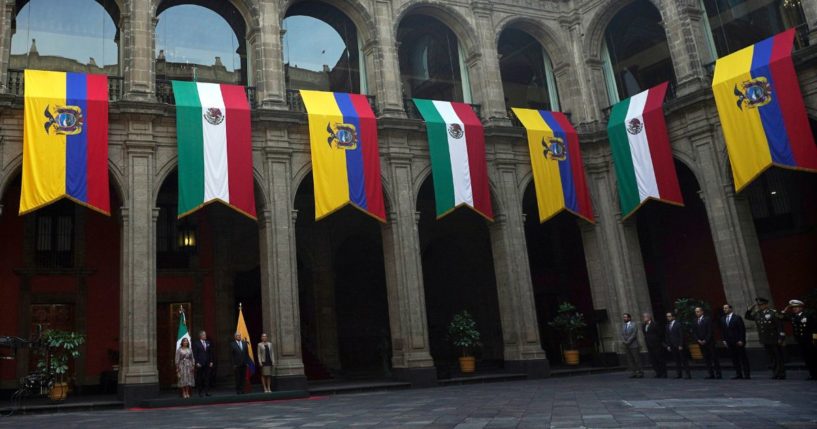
[[186, 236], [773, 193]]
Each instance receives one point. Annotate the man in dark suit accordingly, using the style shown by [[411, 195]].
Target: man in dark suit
[[734, 337], [240, 358], [705, 337], [674, 340], [204, 357], [654, 337]]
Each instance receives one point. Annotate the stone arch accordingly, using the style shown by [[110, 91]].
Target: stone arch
[[354, 10], [247, 8], [594, 33], [305, 170], [172, 166], [539, 30], [446, 14], [497, 202]]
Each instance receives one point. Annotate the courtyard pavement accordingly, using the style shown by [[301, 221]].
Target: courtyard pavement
[[606, 400]]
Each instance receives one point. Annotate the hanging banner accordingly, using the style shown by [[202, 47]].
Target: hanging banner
[[641, 151], [65, 140], [762, 112], [215, 147], [457, 147], [345, 156], [558, 170]]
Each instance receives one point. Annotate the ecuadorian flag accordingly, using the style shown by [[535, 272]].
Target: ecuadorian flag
[[65, 140], [762, 112], [345, 157], [558, 170]]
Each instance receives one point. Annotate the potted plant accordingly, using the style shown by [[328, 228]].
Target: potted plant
[[462, 331], [685, 313], [61, 347], [572, 324]]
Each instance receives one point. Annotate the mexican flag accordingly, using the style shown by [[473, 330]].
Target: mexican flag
[[641, 151], [215, 147], [182, 333], [457, 148]]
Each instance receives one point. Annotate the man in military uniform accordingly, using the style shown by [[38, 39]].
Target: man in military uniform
[[771, 334], [804, 327]]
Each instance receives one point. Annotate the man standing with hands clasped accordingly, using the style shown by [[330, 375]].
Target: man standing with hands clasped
[[676, 345], [629, 338], [240, 356], [706, 339], [654, 337], [204, 358], [734, 337], [771, 334]]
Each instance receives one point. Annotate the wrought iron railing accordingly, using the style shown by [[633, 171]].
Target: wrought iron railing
[[16, 84], [164, 93], [413, 113], [296, 103]]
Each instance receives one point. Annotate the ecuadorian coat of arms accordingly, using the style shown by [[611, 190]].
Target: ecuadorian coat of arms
[[64, 120], [342, 136], [753, 93], [554, 149]]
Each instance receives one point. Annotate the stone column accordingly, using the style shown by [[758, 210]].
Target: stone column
[[137, 30], [587, 99], [517, 305], [411, 359], [138, 373], [323, 289], [279, 271], [6, 16], [810, 13], [486, 85], [688, 48], [265, 41], [387, 85], [618, 283]]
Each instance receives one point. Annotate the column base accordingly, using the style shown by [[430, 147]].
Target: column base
[[418, 377], [289, 382], [533, 368], [133, 394]]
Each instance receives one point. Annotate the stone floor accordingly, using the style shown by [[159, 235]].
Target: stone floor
[[605, 400]]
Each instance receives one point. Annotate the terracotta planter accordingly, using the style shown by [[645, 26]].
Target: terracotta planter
[[58, 392], [695, 351], [468, 364], [571, 357]]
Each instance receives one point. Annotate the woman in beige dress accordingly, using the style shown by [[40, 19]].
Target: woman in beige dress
[[266, 361], [185, 368]]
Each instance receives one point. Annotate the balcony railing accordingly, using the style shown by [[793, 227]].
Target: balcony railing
[[296, 103], [164, 93], [413, 113], [16, 85]]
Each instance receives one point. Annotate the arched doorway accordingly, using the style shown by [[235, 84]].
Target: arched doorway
[[345, 331], [208, 263], [60, 269], [677, 248], [527, 72], [458, 275]]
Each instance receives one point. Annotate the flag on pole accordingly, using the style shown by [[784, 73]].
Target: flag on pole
[[762, 112], [215, 147], [641, 151], [241, 328], [182, 332], [345, 158], [558, 170], [65, 140], [456, 143]]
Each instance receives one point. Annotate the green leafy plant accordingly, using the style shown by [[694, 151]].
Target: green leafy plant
[[570, 322], [685, 313], [61, 348], [463, 333]]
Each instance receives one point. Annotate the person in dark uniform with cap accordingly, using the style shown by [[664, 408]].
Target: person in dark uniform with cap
[[771, 334], [804, 328]]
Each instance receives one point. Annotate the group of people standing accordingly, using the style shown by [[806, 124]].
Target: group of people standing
[[195, 364], [672, 338]]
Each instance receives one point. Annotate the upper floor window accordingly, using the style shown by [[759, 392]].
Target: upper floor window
[[200, 43], [635, 55], [54, 235], [736, 24], [75, 36], [321, 49], [431, 61], [527, 73]]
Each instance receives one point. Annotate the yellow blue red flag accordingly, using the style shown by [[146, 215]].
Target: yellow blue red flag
[[241, 328], [558, 170], [65, 140], [345, 158], [762, 112]]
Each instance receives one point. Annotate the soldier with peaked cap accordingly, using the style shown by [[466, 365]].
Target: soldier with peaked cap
[[770, 333], [804, 328]]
